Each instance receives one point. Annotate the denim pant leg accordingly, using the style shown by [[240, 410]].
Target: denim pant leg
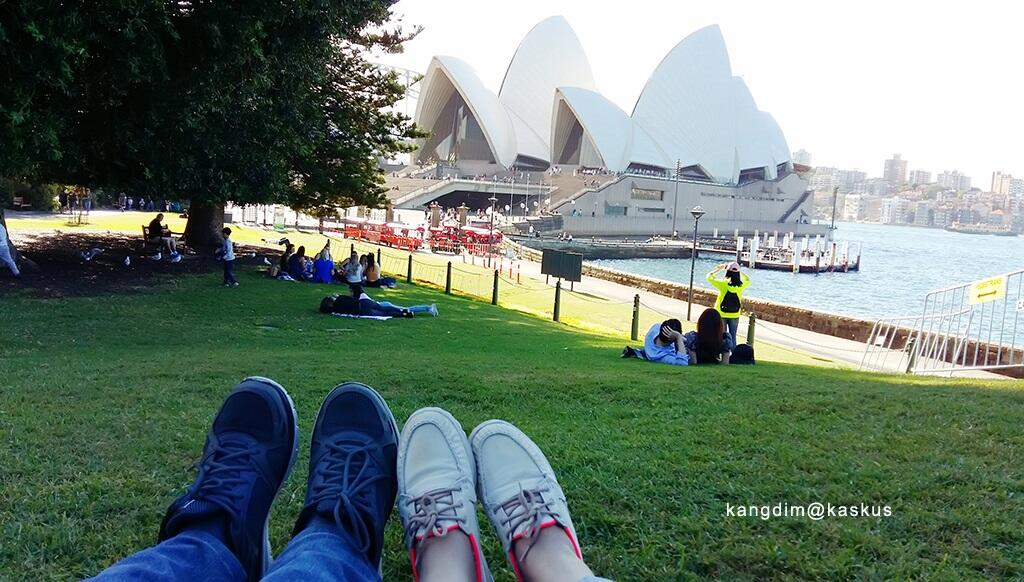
[[187, 556], [371, 307], [229, 272], [414, 308], [322, 556], [733, 323]]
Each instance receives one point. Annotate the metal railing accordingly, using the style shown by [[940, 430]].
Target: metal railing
[[975, 326]]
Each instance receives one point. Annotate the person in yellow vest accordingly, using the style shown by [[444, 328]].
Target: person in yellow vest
[[730, 294]]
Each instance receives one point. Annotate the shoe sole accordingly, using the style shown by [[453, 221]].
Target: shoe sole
[[267, 559], [382, 405]]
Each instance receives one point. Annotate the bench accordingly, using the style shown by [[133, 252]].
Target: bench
[[19, 203], [146, 241]]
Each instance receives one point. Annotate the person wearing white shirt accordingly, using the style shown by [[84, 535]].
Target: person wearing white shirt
[[5, 253]]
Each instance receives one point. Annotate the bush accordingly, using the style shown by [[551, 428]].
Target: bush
[[42, 197]]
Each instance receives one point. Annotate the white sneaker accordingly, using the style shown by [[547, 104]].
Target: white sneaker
[[176, 258], [433, 309], [437, 483], [517, 487], [157, 257]]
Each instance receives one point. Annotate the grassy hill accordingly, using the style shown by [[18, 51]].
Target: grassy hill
[[105, 400]]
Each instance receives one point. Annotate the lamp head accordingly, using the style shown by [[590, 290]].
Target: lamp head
[[697, 212]]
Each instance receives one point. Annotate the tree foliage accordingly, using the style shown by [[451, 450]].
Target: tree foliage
[[253, 102]]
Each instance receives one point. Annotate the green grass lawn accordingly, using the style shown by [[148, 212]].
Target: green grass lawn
[[105, 401]]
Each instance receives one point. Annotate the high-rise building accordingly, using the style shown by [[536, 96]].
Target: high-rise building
[[1016, 187], [895, 171], [824, 179], [853, 207], [954, 180], [801, 156], [1001, 183], [895, 210], [847, 180], [919, 177]]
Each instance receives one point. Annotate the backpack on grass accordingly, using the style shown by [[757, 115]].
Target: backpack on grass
[[742, 354]]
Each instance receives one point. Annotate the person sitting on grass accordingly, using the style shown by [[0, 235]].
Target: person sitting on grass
[[372, 276], [161, 235], [282, 265], [323, 266], [297, 267], [368, 306], [711, 343], [351, 269], [663, 344], [360, 465]]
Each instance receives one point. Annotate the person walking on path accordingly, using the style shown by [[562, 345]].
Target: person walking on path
[[730, 294]]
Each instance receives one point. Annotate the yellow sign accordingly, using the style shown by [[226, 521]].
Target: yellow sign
[[988, 290]]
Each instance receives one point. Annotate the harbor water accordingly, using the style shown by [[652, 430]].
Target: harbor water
[[899, 266]]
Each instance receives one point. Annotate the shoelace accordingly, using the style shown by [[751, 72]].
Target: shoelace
[[528, 508], [223, 473], [430, 509], [342, 477]]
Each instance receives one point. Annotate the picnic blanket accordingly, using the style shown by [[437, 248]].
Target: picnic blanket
[[377, 317]]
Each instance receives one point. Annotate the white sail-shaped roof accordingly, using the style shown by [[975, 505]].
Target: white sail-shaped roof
[[607, 125], [692, 111], [550, 56], [446, 74], [686, 106]]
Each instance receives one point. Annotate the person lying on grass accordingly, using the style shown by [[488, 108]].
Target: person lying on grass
[[663, 344], [359, 303]]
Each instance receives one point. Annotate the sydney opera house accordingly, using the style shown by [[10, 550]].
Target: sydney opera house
[[694, 137]]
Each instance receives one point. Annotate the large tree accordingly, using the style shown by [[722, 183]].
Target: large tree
[[213, 101]]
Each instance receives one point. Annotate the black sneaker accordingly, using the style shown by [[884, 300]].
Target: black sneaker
[[249, 452], [352, 460]]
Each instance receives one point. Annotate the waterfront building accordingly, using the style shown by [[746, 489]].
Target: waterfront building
[[919, 177], [694, 137], [924, 213], [854, 207], [943, 216], [895, 211], [895, 171], [1001, 183]]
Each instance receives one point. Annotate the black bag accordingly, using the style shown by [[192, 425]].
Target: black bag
[[742, 354]]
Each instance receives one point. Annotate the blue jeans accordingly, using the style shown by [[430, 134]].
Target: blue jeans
[[414, 308], [229, 272], [319, 556], [733, 324]]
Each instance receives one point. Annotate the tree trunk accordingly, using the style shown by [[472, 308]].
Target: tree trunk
[[203, 229]]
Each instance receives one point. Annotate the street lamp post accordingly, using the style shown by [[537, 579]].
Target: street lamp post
[[675, 201], [696, 212], [490, 238]]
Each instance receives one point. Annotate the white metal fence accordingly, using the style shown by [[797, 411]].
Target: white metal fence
[[976, 326]]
